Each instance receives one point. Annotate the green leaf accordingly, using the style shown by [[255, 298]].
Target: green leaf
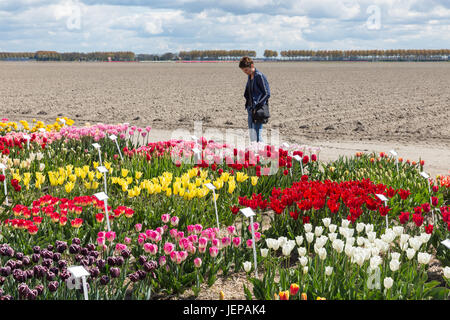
[[248, 294]]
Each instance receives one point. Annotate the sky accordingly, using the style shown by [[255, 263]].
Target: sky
[[160, 26]]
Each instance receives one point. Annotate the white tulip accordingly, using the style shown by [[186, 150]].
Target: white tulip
[[345, 223], [282, 241], [404, 238], [326, 222], [321, 241], [322, 253], [309, 237], [415, 243], [360, 227], [394, 265], [247, 266], [349, 250], [332, 236], [308, 227], [403, 246], [301, 251], [371, 236], [395, 256], [328, 271], [359, 259], [350, 232], [332, 228], [447, 272], [368, 254], [423, 258], [275, 244], [360, 241], [303, 261], [374, 251], [425, 237], [388, 282], [269, 243], [299, 240], [305, 270], [369, 228], [264, 252], [410, 253], [318, 231], [41, 167], [338, 245], [375, 261], [350, 241], [398, 230]]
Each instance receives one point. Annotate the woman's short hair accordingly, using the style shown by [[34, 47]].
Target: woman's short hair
[[246, 62]]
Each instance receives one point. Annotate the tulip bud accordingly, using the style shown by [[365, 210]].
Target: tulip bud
[[388, 282]]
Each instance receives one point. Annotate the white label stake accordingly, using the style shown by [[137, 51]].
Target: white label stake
[[300, 160], [426, 177], [78, 272], [248, 213], [28, 138], [97, 146], [114, 138], [210, 186], [103, 170], [3, 167], [385, 200], [394, 153], [104, 197]]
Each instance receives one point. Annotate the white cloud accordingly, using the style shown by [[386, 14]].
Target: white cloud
[[158, 26]]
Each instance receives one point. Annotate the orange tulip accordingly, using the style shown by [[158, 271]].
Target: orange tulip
[[400, 159], [294, 289], [276, 296], [304, 296], [422, 162], [372, 160], [319, 298], [414, 163]]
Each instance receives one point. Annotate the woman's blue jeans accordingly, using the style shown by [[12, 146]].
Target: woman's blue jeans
[[255, 129]]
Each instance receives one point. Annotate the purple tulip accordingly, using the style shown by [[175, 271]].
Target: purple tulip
[[55, 270], [78, 257], [94, 254], [90, 246], [37, 249], [119, 261], [23, 289], [125, 253], [26, 261], [6, 271], [64, 275], [19, 255], [53, 286], [50, 247], [56, 256], [84, 251], [39, 288], [115, 272], [47, 263], [76, 241], [142, 274], [111, 261], [7, 297], [30, 273], [35, 257], [101, 263], [62, 264], [142, 259], [104, 280], [133, 277], [74, 248], [32, 294], [94, 271]]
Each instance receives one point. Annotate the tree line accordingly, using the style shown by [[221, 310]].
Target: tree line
[[313, 55]]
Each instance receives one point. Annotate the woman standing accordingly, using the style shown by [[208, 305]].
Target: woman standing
[[257, 94]]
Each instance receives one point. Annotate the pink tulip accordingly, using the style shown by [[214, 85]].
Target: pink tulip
[[148, 247], [101, 234], [162, 260], [226, 241], [213, 251], [110, 236], [255, 227], [168, 247], [160, 230], [202, 242], [215, 242], [141, 240], [173, 233], [231, 230], [201, 249], [198, 262], [237, 242], [174, 221], [100, 241], [138, 227], [198, 228], [249, 243], [173, 256], [165, 218], [127, 240]]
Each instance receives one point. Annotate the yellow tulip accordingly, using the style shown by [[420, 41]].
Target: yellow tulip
[[124, 172], [254, 181], [69, 186], [241, 177], [138, 175]]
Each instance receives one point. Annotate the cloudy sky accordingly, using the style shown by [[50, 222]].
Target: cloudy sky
[[158, 26]]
